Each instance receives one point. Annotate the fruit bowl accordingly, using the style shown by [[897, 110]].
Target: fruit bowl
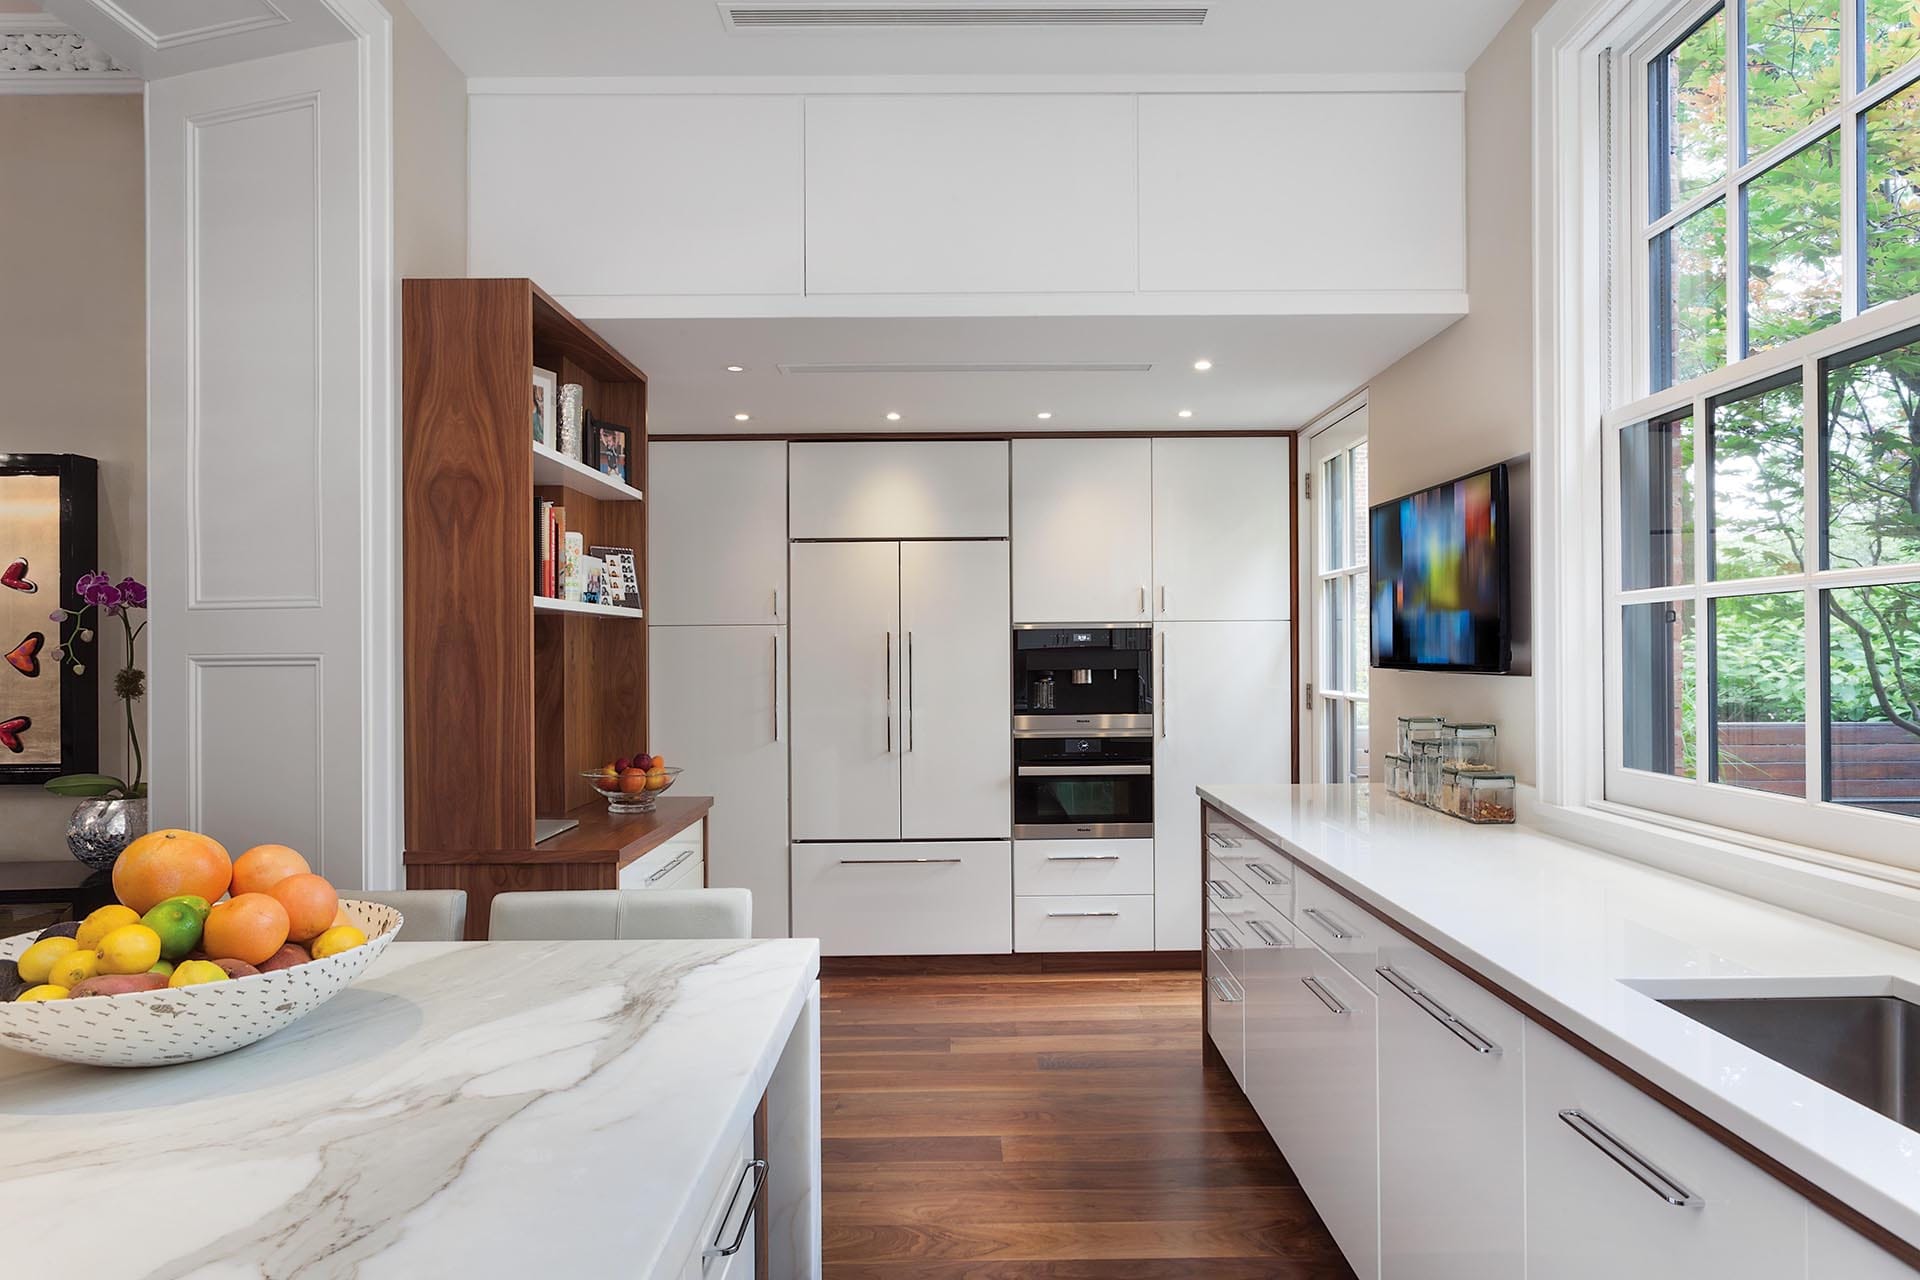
[[186, 1024], [623, 796]]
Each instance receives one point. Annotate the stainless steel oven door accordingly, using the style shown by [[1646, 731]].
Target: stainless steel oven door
[[1082, 801]]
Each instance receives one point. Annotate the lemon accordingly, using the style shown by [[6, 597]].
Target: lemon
[[191, 973], [74, 968], [103, 922], [45, 991], [36, 962], [342, 937], [132, 948]]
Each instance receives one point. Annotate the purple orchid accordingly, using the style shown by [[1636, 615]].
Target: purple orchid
[[115, 600], [133, 593]]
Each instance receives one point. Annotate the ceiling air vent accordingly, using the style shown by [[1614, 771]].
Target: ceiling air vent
[[965, 368], [784, 17]]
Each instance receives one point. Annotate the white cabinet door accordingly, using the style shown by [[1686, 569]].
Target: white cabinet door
[[846, 678], [1452, 1142], [1836, 1251], [1330, 1066], [945, 897], [956, 773], [1227, 1016], [1609, 1176], [716, 533], [1222, 529], [1222, 709], [1082, 530], [719, 712], [898, 489]]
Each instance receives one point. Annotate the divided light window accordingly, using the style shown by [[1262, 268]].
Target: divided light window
[[1764, 668]]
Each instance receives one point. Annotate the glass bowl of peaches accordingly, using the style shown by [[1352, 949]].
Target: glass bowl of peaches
[[631, 786]]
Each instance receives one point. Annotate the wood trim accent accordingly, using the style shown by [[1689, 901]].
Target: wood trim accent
[[1293, 627], [762, 1232], [1030, 962], [601, 839], [908, 437], [1793, 1180], [1206, 997]]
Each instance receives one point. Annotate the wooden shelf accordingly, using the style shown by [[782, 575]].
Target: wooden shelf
[[556, 469], [551, 604]]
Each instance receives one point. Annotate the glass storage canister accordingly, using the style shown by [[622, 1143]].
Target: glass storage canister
[[1400, 776], [1452, 796], [1426, 772], [1474, 747], [1418, 729], [1489, 797]]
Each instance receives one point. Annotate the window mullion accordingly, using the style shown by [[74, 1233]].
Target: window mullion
[[1704, 692], [1853, 163], [1812, 555]]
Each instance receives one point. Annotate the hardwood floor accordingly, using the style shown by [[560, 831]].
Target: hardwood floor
[[1053, 1126]]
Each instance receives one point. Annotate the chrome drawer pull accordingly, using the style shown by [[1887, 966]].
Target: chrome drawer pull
[[1438, 1012], [1632, 1161], [1215, 934], [1223, 992], [1267, 935], [898, 862], [685, 854], [1083, 857], [1223, 841], [1326, 997], [1261, 870], [758, 1168], [1077, 915], [1221, 889], [1328, 923]]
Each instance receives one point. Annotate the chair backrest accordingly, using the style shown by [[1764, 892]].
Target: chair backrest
[[572, 914], [432, 915]]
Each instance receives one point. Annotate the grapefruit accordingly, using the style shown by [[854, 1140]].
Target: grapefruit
[[168, 863]]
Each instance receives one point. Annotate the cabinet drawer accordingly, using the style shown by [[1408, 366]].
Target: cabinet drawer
[[651, 869], [1227, 906], [1266, 871], [905, 898], [1123, 923], [724, 1250], [1226, 1017], [1083, 866], [1341, 927], [1617, 1185]]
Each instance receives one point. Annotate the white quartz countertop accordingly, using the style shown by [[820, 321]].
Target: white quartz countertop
[[1565, 928], [464, 1109]]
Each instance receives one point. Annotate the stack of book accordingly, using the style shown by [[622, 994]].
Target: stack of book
[[550, 539]]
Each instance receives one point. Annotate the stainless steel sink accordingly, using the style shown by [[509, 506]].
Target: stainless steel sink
[[1864, 1046]]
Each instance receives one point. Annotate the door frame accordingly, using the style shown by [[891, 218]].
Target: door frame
[[1306, 546]]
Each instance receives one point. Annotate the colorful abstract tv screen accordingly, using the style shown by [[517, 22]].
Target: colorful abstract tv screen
[[1440, 573]]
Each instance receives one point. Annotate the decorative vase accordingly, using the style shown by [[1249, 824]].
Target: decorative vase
[[573, 412], [100, 829]]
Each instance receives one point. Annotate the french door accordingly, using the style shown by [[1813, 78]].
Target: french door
[[1336, 608]]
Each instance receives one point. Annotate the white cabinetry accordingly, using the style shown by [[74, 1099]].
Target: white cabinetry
[[717, 524], [1617, 1185], [846, 675], [947, 897], [1223, 711], [726, 1247], [898, 489], [1082, 530], [1838, 1252], [955, 778], [1222, 529]]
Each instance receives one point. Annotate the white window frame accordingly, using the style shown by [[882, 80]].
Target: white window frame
[[1313, 648], [1592, 360]]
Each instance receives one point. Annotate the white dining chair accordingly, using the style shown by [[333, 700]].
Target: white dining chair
[[578, 914], [429, 915]]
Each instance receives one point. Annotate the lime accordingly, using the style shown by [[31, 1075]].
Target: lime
[[178, 922]]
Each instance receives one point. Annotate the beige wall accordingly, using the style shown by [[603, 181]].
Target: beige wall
[[73, 351], [1465, 399], [429, 153]]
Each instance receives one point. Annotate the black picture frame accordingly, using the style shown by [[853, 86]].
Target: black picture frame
[[79, 554], [594, 428]]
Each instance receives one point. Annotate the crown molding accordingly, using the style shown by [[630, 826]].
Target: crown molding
[[41, 54]]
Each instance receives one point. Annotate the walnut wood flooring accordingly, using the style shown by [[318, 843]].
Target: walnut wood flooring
[[1052, 1126]]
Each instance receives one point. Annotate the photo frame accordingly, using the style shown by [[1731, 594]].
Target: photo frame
[[620, 577], [49, 537], [608, 449], [546, 407]]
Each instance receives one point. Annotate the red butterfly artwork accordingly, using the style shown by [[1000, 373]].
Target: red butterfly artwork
[[15, 576], [25, 656], [10, 731]]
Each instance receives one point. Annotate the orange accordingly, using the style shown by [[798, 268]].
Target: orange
[[251, 927], [633, 780], [310, 902], [166, 864], [265, 865]]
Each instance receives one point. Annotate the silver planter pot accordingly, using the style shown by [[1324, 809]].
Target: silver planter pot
[[100, 829]]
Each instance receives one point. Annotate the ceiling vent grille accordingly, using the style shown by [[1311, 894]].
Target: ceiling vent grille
[[766, 17], [965, 368]]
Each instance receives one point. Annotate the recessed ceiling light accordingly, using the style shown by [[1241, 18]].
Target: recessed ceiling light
[[1203, 365], [1186, 413], [742, 417], [736, 368], [893, 417], [1043, 416]]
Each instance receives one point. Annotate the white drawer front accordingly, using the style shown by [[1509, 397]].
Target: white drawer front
[[1083, 866], [728, 1224], [1341, 927], [649, 870], [1083, 923], [1227, 1017], [905, 898]]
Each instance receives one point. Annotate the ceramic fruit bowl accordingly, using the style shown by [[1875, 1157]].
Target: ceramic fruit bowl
[[633, 792], [186, 1024]]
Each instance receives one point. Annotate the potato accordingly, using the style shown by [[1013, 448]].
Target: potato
[[286, 957], [236, 968], [118, 984]]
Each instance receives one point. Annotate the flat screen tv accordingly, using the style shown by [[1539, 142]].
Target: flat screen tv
[[1440, 571]]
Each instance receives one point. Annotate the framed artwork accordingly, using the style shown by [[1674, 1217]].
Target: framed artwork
[[607, 445], [49, 537], [620, 577], [546, 407]]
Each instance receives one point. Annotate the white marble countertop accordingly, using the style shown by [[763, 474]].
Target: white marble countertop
[[464, 1109], [1565, 928]]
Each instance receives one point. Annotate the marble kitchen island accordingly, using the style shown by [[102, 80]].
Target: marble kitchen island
[[465, 1109]]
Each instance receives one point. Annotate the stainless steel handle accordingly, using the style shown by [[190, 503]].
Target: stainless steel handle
[[1075, 915], [1266, 873], [1083, 857], [1223, 991], [776, 602], [776, 687], [1221, 889], [1648, 1173], [1163, 684], [911, 674], [758, 1168], [889, 702], [1328, 923], [1326, 997], [684, 855], [1215, 933], [1084, 770], [1143, 599], [1163, 599], [1438, 1012], [898, 862], [1216, 838], [1267, 935]]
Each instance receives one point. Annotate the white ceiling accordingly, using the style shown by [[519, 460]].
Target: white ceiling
[[1268, 371], [689, 38]]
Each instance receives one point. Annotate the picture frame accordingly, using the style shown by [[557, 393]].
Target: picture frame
[[49, 537], [608, 449], [546, 407], [620, 577]]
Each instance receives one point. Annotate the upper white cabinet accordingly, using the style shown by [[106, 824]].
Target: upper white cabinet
[[1222, 529], [1282, 191], [637, 193], [970, 193], [717, 533], [1082, 521], [899, 489]]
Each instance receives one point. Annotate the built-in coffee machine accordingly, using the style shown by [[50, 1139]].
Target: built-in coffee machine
[[1083, 732]]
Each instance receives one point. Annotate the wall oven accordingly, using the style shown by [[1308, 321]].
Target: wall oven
[[1082, 680], [1095, 787]]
